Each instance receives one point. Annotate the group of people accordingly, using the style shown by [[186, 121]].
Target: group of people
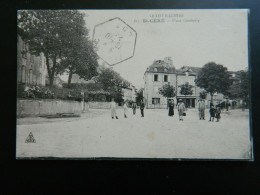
[[180, 106], [134, 106], [214, 111]]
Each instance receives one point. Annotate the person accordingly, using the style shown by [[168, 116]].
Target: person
[[218, 111], [227, 105], [134, 108], [201, 109], [171, 108], [113, 109], [125, 110], [181, 109], [212, 112], [142, 108]]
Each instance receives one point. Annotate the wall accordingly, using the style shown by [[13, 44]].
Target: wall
[[45, 107], [97, 105]]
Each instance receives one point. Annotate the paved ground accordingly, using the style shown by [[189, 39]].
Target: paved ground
[[156, 135]]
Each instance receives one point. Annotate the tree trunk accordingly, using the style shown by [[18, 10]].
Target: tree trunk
[[49, 69], [211, 98], [53, 71], [70, 77]]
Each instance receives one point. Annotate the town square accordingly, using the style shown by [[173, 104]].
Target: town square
[[114, 85]]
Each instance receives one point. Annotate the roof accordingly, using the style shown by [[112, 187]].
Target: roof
[[161, 66]]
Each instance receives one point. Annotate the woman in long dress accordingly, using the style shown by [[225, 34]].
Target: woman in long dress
[[171, 108], [113, 109]]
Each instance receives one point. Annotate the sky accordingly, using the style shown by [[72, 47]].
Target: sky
[[189, 37]]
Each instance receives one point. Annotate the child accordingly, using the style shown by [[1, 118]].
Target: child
[[125, 110], [218, 111], [212, 112]]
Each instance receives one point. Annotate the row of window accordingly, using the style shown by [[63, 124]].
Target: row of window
[[28, 77], [156, 78], [166, 79]]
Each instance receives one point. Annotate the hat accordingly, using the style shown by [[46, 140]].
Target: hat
[[180, 100]]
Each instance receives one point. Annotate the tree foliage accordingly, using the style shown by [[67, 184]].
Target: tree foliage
[[213, 78], [139, 95], [112, 82], [186, 89], [240, 89], [167, 91], [61, 36], [203, 94]]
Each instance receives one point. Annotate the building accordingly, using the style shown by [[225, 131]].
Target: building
[[161, 72], [31, 69], [129, 93]]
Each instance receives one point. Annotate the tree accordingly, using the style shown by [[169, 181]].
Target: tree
[[240, 90], [203, 94], [52, 33], [139, 95], [213, 78], [80, 59], [167, 91], [186, 89], [112, 82]]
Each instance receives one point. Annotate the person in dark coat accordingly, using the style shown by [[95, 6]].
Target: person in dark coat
[[212, 112], [171, 108], [134, 108], [142, 108], [218, 111]]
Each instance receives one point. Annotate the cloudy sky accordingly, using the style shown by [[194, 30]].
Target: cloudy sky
[[189, 37]]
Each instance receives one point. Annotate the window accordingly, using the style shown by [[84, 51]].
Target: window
[[23, 78], [155, 77], [155, 100], [165, 78], [155, 69]]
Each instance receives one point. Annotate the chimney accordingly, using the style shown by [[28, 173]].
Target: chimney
[[169, 61]]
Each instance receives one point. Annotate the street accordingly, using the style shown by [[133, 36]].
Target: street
[[156, 135]]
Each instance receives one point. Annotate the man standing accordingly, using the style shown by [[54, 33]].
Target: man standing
[[201, 109], [134, 108], [181, 109], [142, 108]]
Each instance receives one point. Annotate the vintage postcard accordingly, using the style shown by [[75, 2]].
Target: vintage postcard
[[135, 84]]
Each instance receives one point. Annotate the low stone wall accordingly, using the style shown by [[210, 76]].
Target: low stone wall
[[45, 107], [97, 105]]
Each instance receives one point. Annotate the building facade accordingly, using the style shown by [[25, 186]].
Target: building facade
[[129, 93], [31, 69], [163, 72]]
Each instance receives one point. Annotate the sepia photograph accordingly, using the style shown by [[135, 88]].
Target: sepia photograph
[[133, 84]]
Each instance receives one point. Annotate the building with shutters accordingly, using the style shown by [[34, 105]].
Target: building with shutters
[[31, 69]]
